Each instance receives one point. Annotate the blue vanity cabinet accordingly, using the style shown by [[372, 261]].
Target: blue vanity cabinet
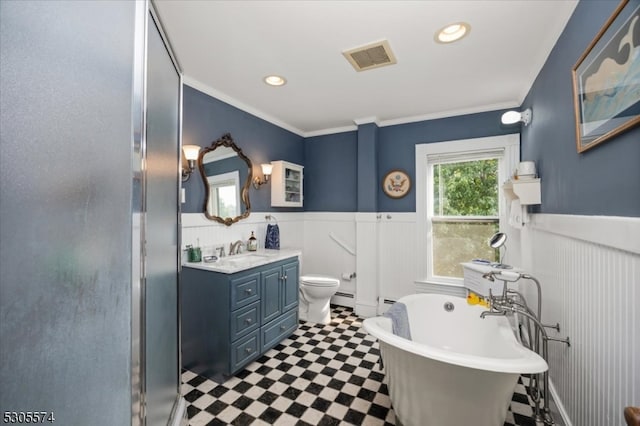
[[279, 302], [271, 282], [229, 320]]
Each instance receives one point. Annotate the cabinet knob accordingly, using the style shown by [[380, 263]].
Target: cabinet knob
[[283, 327], [283, 277], [247, 350], [249, 291], [248, 320]]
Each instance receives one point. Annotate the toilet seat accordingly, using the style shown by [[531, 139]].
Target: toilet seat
[[319, 281]]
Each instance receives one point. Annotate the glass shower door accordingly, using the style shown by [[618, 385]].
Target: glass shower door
[[160, 293]]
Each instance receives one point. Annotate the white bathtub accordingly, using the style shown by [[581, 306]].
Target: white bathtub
[[458, 369]]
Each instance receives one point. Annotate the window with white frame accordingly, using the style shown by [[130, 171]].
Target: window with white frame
[[224, 194], [459, 202]]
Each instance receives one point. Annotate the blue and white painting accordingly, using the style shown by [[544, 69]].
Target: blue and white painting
[[609, 81]]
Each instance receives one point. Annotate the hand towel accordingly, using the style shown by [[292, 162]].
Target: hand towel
[[515, 214], [399, 320], [273, 237]]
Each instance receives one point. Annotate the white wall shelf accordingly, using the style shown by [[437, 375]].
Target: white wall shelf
[[526, 190], [286, 184]]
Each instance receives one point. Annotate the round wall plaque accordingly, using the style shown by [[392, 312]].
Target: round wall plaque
[[396, 184]]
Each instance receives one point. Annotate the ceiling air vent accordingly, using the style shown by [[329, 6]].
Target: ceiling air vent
[[371, 56]]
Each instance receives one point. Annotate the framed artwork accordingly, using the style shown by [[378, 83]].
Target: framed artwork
[[396, 184], [606, 79]]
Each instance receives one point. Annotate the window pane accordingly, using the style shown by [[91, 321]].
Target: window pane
[[226, 200], [456, 242], [468, 188]]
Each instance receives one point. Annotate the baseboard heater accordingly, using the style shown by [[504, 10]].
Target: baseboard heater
[[347, 295], [384, 304]]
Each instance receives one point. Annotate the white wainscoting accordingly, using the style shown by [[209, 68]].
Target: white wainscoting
[[589, 268], [196, 228], [367, 264], [330, 249], [378, 247], [397, 241]]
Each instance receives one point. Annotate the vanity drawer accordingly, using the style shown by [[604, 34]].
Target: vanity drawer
[[245, 320], [280, 328], [245, 350], [245, 290]]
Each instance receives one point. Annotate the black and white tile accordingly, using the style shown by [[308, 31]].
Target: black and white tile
[[320, 375]]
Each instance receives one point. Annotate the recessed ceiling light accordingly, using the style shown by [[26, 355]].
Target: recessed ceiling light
[[275, 80], [452, 32]]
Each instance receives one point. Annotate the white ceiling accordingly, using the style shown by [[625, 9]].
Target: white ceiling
[[225, 48]]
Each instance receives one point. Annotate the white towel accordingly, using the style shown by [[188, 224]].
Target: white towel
[[515, 214], [399, 320]]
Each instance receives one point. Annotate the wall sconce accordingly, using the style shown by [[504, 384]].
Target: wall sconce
[[513, 117], [266, 171], [191, 153]]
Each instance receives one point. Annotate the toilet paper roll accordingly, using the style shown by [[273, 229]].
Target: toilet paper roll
[[346, 277]]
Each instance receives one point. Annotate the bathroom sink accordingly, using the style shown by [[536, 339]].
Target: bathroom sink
[[242, 258], [243, 261]]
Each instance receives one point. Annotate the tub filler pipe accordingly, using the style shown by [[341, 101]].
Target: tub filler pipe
[[517, 305], [541, 415]]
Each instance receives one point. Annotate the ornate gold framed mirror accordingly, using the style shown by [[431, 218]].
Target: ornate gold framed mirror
[[227, 174]]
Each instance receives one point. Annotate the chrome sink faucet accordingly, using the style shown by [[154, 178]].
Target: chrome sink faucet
[[236, 248]]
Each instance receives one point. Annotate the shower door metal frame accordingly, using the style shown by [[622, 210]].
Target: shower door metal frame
[[144, 11]]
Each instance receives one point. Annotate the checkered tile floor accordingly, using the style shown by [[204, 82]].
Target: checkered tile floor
[[320, 375]]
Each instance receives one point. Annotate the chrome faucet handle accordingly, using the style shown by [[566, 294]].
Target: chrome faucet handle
[[220, 251]]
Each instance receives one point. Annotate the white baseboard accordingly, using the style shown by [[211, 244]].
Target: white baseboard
[[366, 310], [558, 402]]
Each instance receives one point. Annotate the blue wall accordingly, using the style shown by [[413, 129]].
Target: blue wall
[[342, 171], [206, 119], [397, 146], [368, 140], [335, 181], [330, 175], [604, 180]]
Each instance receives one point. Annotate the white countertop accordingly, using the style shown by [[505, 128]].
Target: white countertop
[[243, 261]]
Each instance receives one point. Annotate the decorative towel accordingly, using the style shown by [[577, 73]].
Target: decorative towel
[[399, 320], [273, 237]]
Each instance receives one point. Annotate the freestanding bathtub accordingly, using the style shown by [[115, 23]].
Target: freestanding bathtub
[[458, 369]]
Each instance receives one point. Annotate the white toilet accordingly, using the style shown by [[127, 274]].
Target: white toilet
[[315, 297]]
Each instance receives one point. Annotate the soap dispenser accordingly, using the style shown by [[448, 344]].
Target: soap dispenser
[[252, 244]]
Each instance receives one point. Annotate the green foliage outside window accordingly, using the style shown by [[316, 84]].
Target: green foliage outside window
[[468, 188]]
